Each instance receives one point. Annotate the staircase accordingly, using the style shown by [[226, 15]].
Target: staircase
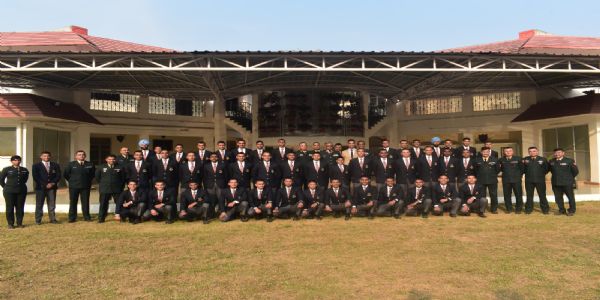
[[240, 114]]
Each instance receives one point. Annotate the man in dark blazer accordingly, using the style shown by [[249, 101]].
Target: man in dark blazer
[[193, 203], [140, 171], [147, 154], [358, 167], [382, 168], [493, 153], [473, 197], [292, 169], [214, 179], [393, 154], [314, 199], [261, 201], [223, 154], [341, 172], [317, 170], [167, 170], [46, 175], [445, 197], [427, 167], [79, 174], [110, 178], [160, 203], [241, 169], [189, 170], [268, 171], [132, 203], [288, 201], [418, 200], [338, 199], [364, 198], [448, 165], [241, 148], [179, 155], [123, 159], [466, 145], [416, 151], [390, 199], [202, 155], [280, 153], [256, 154], [466, 166], [406, 170], [233, 202]]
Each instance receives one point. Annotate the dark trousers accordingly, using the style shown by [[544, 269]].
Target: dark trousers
[[559, 191], [104, 202], [385, 209], [289, 210], [42, 196], [163, 213], [507, 190], [240, 209], [492, 188], [74, 195], [132, 212], [198, 211], [421, 208], [317, 211], [15, 204], [530, 187], [339, 208], [452, 206], [478, 206], [365, 208], [264, 211], [213, 197]]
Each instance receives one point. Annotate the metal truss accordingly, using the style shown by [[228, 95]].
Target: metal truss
[[295, 61]]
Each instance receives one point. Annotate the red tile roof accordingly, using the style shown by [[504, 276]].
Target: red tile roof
[[537, 42], [587, 104], [29, 105], [72, 38]]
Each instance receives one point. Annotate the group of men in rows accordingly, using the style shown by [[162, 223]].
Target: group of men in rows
[[244, 183]]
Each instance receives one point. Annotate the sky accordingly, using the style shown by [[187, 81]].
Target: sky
[[350, 25]]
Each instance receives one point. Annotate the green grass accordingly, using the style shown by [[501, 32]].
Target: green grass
[[501, 257]]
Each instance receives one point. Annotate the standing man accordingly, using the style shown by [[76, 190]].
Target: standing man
[[149, 156], [189, 170], [415, 150], [79, 173], [166, 170], [290, 168], [493, 153], [564, 170], [427, 167], [241, 148], [302, 154], [535, 168], [329, 155], [349, 153], [316, 148], [406, 171], [279, 154], [123, 159], [214, 179], [466, 166], [392, 153], [222, 153], [437, 150], [341, 172], [466, 145], [448, 165], [268, 171], [240, 169], [382, 168], [358, 167], [46, 175], [512, 174], [13, 180], [110, 179], [317, 171], [256, 154], [486, 171], [202, 155], [178, 156], [139, 171]]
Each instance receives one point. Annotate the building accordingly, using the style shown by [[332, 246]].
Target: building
[[67, 90]]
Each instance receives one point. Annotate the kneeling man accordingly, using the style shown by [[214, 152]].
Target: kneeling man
[[160, 203], [233, 201], [338, 199], [364, 198], [445, 197], [473, 197], [261, 201], [313, 199], [289, 201], [194, 203], [390, 199], [419, 200], [132, 203]]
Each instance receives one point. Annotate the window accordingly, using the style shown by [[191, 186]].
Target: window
[[576, 143], [172, 106], [497, 101], [8, 136], [432, 106], [114, 102]]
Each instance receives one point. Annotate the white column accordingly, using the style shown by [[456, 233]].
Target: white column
[[80, 140], [255, 103], [594, 131], [530, 136]]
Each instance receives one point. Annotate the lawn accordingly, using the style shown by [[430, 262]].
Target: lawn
[[503, 257]]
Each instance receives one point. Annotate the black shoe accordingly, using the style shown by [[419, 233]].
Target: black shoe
[[10, 226], [20, 226], [570, 214], [88, 220], [269, 219], [346, 218], [169, 222], [508, 211], [482, 215], [424, 216], [54, 222], [453, 215], [244, 219], [494, 212], [72, 221], [38, 222], [560, 213], [135, 221], [100, 221], [518, 212]]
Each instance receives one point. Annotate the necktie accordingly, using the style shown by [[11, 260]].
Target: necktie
[[292, 165], [406, 162], [282, 151], [342, 168], [137, 166], [233, 193], [160, 196], [288, 192], [222, 154], [259, 152], [178, 157], [145, 153], [267, 166], [317, 166], [385, 163], [443, 188], [312, 193], [446, 159], [465, 163], [336, 192], [471, 188], [417, 151], [165, 164], [47, 165], [201, 154], [485, 159], [429, 160], [194, 194], [437, 151], [360, 161], [192, 167], [351, 153], [81, 163], [241, 167], [388, 191], [259, 194], [132, 195], [214, 167], [417, 193]]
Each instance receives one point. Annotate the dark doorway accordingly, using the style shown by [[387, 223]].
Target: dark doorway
[[99, 149]]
